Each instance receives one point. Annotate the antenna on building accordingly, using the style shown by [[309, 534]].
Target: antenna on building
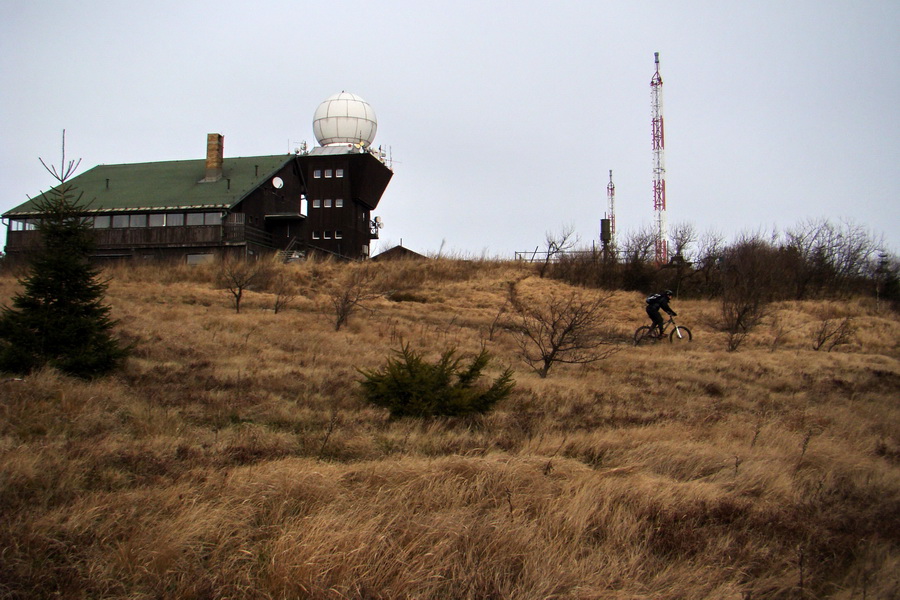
[[659, 165]]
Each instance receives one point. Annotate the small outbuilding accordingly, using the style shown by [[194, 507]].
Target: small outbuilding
[[399, 253]]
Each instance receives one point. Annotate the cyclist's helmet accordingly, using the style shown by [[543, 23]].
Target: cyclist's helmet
[[668, 293]]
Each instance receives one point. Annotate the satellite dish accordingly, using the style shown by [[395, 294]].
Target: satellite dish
[[277, 183]]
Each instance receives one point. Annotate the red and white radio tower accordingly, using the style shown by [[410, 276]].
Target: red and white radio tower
[[659, 165], [611, 208]]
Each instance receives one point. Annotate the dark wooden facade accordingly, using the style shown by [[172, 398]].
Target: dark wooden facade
[[246, 209], [342, 191]]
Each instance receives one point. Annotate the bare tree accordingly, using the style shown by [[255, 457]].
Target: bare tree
[[639, 246], [285, 291], [238, 275], [559, 327], [829, 256], [747, 287], [638, 255], [557, 244], [350, 292], [710, 252], [684, 235], [833, 332]]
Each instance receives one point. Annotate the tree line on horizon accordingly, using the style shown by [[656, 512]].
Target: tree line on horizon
[[816, 259]]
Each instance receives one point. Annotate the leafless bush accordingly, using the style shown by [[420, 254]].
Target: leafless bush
[[832, 333], [351, 291], [284, 289], [557, 244], [779, 331], [238, 275], [683, 238], [559, 327], [638, 254], [829, 257], [747, 280]]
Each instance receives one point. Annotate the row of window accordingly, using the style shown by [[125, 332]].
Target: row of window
[[327, 235], [157, 220], [319, 203], [136, 220], [317, 174]]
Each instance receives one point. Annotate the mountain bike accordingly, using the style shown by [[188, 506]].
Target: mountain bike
[[677, 334]]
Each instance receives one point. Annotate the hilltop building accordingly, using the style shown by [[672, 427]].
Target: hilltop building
[[312, 201]]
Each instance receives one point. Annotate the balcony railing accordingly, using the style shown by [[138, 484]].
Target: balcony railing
[[158, 237]]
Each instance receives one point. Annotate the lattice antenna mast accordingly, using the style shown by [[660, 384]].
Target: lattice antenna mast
[[659, 165], [611, 208]]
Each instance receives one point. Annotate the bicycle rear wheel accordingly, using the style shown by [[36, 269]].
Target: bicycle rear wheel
[[643, 336], [680, 335]]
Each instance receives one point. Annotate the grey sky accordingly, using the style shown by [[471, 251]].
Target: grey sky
[[502, 119]]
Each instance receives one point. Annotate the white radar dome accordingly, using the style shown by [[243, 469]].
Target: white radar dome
[[345, 118]]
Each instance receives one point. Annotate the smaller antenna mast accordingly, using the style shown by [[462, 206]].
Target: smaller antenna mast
[[611, 208]]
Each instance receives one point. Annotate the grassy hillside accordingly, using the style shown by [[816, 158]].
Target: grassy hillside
[[234, 458]]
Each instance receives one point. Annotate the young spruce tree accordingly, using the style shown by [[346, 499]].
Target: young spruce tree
[[59, 319]]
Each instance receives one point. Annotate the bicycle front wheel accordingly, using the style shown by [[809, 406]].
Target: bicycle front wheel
[[680, 335], [642, 335]]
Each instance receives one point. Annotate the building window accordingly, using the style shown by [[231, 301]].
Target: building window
[[212, 218], [120, 221], [157, 220], [26, 225], [101, 222], [137, 221], [199, 259], [338, 202], [174, 219], [327, 173], [315, 235], [317, 174], [327, 202], [339, 235], [317, 203], [195, 219], [338, 172]]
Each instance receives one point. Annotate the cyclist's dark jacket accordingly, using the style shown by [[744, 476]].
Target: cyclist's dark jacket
[[654, 304], [659, 301]]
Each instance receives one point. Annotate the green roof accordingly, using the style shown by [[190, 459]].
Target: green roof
[[168, 185]]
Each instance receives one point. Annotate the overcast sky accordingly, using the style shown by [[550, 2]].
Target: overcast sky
[[503, 119]]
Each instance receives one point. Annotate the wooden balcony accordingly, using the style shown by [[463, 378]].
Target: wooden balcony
[[157, 237]]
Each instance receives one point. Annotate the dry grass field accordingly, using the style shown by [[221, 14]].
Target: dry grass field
[[234, 457]]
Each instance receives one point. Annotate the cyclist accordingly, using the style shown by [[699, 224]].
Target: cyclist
[[654, 304]]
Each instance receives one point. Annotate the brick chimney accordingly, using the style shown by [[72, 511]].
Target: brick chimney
[[215, 157]]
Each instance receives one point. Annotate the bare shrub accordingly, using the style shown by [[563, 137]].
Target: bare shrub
[[832, 333], [638, 252], [747, 288], [351, 291], [683, 238], [710, 253], [829, 257], [557, 244], [238, 275], [284, 289], [560, 327]]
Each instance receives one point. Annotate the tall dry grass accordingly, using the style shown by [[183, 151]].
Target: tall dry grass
[[233, 456]]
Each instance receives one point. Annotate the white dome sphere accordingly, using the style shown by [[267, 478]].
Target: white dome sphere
[[344, 118]]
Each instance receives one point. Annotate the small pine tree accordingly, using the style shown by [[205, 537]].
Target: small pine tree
[[60, 319], [409, 386]]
